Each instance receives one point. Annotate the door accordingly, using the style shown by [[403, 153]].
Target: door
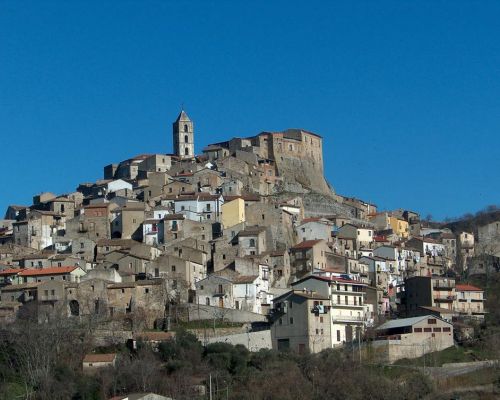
[[348, 333], [221, 302]]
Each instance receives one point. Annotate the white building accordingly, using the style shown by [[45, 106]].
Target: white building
[[199, 207]]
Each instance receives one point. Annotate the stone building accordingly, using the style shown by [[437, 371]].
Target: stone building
[[183, 136], [297, 156], [301, 322]]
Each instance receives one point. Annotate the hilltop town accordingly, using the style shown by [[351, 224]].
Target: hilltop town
[[247, 236]]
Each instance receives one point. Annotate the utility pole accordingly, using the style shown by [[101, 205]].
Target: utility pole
[[210, 387], [359, 345]]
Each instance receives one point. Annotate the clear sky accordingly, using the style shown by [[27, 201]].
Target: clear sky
[[405, 93]]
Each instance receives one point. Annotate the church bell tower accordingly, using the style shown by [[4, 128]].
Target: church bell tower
[[183, 133]]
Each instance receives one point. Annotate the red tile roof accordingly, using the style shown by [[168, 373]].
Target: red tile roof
[[465, 287], [10, 271], [46, 271], [307, 244]]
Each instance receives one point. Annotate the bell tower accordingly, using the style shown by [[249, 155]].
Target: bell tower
[[183, 133]]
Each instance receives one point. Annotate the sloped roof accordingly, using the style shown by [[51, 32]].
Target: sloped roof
[[46, 271], [307, 244], [402, 322], [182, 117], [244, 279], [465, 287]]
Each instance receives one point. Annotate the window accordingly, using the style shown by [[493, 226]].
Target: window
[[437, 329], [186, 129], [417, 330], [263, 217], [446, 329], [81, 246], [208, 207], [51, 278], [174, 284], [146, 290], [53, 292], [252, 242], [186, 138], [427, 329], [431, 321], [186, 151], [207, 301], [338, 336], [317, 331], [173, 268], [46, 292], [291, 321], [123, 290], [157, 272], [321, 319]]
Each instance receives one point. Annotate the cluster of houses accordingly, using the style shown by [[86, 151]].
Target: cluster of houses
[[237, 228]]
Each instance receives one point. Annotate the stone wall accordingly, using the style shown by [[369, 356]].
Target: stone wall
[[203, 312], [253, 341]]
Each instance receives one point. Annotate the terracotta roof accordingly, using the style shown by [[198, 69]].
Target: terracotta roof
[[307, 244], [100, 205], [95, 358], [465, 287], [46, 271], [10, 271]]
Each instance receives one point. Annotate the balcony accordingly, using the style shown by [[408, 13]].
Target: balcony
[[443, 285], [220, 293], [347, 318], [349, 291], [348, 304], [444, 299], [320, 309]]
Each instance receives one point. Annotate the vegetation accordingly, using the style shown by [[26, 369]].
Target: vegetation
[[44, 361]]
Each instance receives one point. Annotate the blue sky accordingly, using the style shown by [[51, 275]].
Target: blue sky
[[405, 93]]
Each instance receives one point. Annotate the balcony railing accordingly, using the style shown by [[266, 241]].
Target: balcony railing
[[444, 299], [441, 285], [220, 293], [347, 318], [344, 304]]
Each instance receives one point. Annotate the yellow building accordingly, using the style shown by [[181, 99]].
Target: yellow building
[[233, 213], [399, 226], [385, 220]]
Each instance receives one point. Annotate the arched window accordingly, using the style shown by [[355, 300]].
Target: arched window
[[186, 151], [186, 139], [186, 129]]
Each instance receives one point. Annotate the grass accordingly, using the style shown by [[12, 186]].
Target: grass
[[449, 355], [485, 376]]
